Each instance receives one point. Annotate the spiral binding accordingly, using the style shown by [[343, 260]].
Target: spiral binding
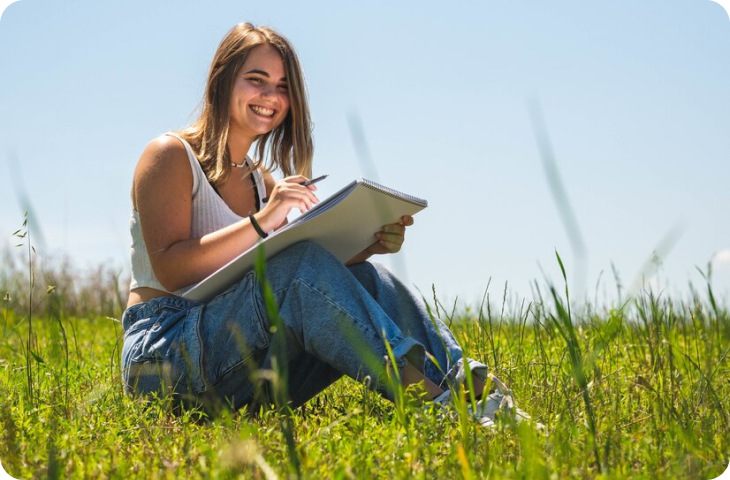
[[393, 193]]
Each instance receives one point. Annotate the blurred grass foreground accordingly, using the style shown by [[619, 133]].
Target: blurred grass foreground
[[636, 390]]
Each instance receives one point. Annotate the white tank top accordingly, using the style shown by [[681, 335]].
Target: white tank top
[[209, 211]]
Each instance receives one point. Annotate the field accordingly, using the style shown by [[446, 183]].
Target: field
[[639, 389]]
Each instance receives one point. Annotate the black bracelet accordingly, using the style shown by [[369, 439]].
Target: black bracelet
[[257, 227]]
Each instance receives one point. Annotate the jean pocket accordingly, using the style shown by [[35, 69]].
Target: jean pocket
[[144, 377], [150, 352], [141, 369]]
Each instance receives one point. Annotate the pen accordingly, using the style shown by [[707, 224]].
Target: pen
[[304, 184], [313, 181]]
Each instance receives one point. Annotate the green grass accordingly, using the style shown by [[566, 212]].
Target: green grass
[[635, 391]]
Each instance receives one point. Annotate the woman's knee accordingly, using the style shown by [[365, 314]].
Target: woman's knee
[[364, 270], [304, 252], [374, 277], [304, 261]]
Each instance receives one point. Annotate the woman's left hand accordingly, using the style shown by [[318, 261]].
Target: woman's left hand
[[390, 240]]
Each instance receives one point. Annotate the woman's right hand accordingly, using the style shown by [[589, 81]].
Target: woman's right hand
[[287, 194]]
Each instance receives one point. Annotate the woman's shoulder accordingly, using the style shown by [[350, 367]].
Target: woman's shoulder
[[164, 152], [165, 147], [164, 159]]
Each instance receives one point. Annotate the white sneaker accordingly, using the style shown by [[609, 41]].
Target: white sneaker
[[499, 402]]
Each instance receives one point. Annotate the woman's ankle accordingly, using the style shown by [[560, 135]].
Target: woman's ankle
[[410, 375]]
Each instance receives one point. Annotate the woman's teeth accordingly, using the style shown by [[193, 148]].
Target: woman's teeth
[[262, 111]]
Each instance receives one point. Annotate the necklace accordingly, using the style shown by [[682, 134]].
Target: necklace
[[240, 165]]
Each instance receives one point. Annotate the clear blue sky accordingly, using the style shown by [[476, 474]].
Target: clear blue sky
[[635, 96]]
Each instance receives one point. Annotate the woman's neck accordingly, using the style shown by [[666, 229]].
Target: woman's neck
[[238, 148]]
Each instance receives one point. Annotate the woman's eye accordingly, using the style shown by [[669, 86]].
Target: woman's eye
[[255, 80], [284, 87]]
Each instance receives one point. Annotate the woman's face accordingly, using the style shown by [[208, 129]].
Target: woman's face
[[260, 97]]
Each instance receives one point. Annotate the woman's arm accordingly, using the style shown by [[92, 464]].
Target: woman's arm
[[162, 194]]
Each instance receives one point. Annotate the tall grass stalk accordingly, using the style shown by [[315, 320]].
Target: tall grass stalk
[[395, 385], [279, 363], [24, 235], [563, 322]]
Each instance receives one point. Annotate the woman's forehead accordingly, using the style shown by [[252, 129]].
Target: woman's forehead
[[264, 58]]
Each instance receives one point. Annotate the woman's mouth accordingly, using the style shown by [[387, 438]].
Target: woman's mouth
[[263, 111]]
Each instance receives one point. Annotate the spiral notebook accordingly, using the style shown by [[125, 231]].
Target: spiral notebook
[[345, 224]]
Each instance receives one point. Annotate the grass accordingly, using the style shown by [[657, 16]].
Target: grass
[[634, 390]]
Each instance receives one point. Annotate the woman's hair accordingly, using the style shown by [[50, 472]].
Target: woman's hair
[[290, 144]]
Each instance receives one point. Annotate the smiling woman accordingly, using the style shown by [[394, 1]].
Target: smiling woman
[[254, 67], [194, 210]]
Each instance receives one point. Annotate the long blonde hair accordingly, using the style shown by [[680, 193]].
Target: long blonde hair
[[290, 144]]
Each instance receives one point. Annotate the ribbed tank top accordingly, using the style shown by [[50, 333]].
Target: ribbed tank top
[[209, 213]]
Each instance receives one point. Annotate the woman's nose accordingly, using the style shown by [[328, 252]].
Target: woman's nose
[[268, 91]]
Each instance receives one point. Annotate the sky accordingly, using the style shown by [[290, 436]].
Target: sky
[[462, 104]]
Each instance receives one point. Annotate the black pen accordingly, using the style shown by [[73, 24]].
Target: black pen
[[304, 184], [313, 181]]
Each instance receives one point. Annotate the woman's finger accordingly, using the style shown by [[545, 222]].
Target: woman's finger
[[391, 247], [394, 229], [391, 238], [298, 179], [406, 220]]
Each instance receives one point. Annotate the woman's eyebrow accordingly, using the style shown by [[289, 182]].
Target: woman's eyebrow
[[265, 74], [260, 72]]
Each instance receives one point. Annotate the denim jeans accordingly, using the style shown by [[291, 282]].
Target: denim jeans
[[337, 321]]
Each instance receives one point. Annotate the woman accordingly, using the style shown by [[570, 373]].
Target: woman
[[199, 200]]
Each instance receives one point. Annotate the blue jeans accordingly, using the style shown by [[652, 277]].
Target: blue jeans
[[337, 321]]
